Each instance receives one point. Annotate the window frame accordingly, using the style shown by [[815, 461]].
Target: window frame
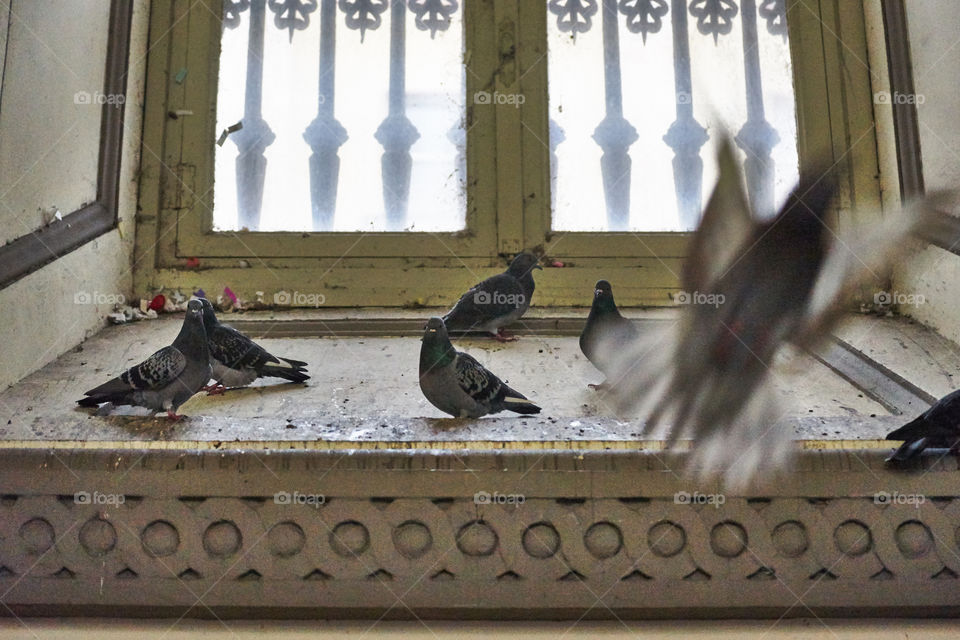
[[33, 250], [508, 192]]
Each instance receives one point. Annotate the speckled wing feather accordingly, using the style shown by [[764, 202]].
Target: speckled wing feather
[[495, 297], [478, 383], [235, 350], [156, 372]]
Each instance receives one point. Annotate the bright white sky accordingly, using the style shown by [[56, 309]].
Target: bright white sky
[[435, 105]]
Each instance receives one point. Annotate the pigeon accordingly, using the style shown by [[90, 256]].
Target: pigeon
[[456, 383], [166, 379], [606, 334], [497, 301], [237, 360], [938, 427], [752, 286]]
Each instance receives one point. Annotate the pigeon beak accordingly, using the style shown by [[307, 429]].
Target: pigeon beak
[[597, 292], [536, 266], [433, 330]]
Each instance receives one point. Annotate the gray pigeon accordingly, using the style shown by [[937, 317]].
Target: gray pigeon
[[938, 426], [497, 301], [456, 383], [168, 378], [607, 333], [237, 360]]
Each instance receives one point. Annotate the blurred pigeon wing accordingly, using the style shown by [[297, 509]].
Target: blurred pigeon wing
[[860, 257], [724, 228]]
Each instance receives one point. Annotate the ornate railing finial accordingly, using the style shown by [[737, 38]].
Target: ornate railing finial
[[363, 14], [644, 16], [292, 14], [433, 15], [714, 17]]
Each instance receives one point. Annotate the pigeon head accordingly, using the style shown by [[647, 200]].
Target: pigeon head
[[194, 308], [436, 350], [603, 295], [435, 328], [209, 314], [523, 264]]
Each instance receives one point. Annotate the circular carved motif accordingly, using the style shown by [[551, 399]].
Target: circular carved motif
[[37, 535], [603, 540], [349, 538], [286, 539], [666, 539], [790, 539], [914, 539], [477, 538], [412, 539], [728, 539], [160, 538], [222, 539], [98, 537], [853, 538], [541, 540]]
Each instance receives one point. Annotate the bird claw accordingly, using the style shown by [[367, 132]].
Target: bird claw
[[214, 389], [503, 336], [173, 415]]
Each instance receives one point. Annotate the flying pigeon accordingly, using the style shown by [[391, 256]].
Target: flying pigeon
[[606, 334], [497, 301], [938, 426], [750, 286], [456, 383], [237, 360], [168, 378]]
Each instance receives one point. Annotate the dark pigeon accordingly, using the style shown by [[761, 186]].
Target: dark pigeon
[[497, 301], [938, 427], [456, 383], [607, 334], [237, 360], [166, 379]]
